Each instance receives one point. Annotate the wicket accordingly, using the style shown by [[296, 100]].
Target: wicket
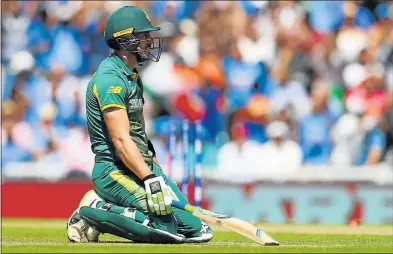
[[186, 171], [192, 172]]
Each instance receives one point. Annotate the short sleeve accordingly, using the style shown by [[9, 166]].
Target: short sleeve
[[110, 92], [377, 140]]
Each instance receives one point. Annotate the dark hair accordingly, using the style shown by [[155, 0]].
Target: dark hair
[[113, 44]]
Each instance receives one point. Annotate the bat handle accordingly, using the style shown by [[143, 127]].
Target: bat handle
[[179, 204], [184, 206]]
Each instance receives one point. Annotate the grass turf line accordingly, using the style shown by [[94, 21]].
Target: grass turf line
[[51, 238]]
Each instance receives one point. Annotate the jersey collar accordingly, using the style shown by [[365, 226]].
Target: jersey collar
[[123, 66]]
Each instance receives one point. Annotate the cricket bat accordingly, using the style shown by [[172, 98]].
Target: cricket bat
[[241, 227]]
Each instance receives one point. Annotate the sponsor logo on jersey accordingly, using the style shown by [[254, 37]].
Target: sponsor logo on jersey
[[135, 104], [115, 89]]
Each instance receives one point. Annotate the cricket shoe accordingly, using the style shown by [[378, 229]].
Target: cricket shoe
[[206, 235], [92, 234], [78, 228]]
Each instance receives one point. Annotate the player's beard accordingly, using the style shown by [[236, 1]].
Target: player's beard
[[151, 51], [142, 56]]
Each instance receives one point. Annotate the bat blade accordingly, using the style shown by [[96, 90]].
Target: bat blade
[[241, 227]]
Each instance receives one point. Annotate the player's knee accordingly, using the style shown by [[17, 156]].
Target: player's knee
[[194, 223], [166, 223], [189, 225]]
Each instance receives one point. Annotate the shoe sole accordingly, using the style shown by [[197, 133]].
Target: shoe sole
[[200, 239]]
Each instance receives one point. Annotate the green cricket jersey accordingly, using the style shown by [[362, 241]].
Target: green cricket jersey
[[115, 85]]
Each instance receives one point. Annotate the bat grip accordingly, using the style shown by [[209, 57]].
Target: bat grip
[[179, 204], [184, 206]]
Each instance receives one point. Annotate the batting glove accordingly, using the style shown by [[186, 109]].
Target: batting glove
[[158, 194]]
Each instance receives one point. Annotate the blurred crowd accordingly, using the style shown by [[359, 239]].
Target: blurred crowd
[[276, 84]]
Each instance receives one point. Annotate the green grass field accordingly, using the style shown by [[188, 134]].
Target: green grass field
[[49, 236]]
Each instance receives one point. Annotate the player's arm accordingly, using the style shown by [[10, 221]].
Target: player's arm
[[116, 120], [158, 195], [111, 95], [374, 157], [155, 161]]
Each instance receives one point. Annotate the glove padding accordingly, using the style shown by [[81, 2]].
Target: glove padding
[[159, 198]]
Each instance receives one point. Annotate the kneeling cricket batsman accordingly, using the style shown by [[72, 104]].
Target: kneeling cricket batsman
[[132, 196]]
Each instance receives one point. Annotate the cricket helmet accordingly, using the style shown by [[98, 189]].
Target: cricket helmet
[[127, 27]]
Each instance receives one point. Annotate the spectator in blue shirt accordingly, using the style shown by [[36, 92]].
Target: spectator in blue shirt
[[13, 27], [213, 100], [99, 50], [39, 40], [8, 81], [65, 95], [24, 81], [373, 143], [257, 132], [241, 76], [253, 7], [69, 48], [315, 137], [179, 10], [258, 114]]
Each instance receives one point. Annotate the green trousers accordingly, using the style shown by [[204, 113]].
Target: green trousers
[[119, 185]]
